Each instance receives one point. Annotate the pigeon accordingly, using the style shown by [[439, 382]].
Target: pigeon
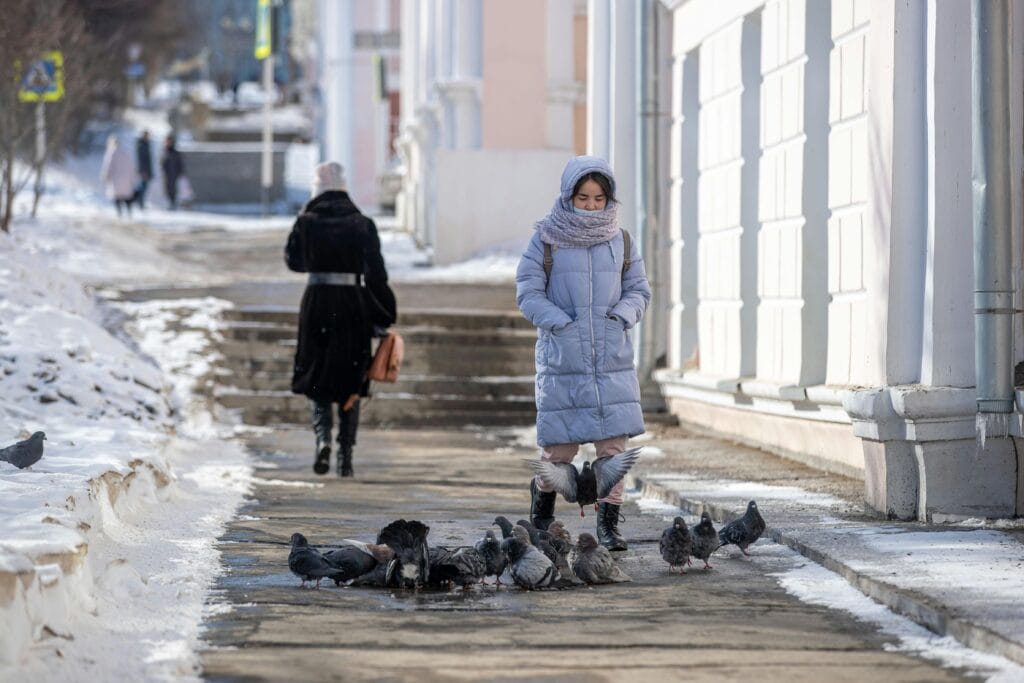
[[354, 559], [411, 563], [530, 568], [307, 563], [495, 560], [506, 526], [463, 566], [24, 453], [676, 545], [539, 539], [745, 530], [705, 539], [594, 564], [590, 484], [561, 541]]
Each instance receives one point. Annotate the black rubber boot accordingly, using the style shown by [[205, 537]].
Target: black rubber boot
[[542, 507], [321, 415], [348, 425], [608, 527]]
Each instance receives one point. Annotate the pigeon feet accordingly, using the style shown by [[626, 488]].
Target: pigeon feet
[[707, 566]]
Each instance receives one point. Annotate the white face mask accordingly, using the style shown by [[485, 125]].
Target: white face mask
[[584, 212]]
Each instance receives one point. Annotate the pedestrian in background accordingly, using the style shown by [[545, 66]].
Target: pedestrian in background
[[118, 175], [173, 167], [583, 305], [347, 301], [144, 165]]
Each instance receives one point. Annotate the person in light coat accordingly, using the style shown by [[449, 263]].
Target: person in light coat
[[118, 174], [587, 388]]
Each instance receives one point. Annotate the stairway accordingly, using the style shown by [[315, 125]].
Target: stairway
[[462, 367]]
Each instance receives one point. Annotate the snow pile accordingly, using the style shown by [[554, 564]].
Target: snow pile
[[111, 536]]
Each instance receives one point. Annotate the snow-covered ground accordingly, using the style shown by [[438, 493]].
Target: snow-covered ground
[[111, 537]]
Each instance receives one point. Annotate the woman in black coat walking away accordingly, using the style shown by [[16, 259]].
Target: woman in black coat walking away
[[347, 299]]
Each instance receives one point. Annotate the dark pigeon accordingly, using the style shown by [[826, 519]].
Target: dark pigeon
[[307, 563], [594, 564], [586, 486], [745, 530], [24, 453], [676, 545], [354, 559], [705, 539], [411, 565], [461, 566], [505, 525], [495, 560], [542, 541], [529, 567]]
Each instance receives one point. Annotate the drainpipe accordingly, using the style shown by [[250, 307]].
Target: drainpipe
[[990, 169], [648, 189]]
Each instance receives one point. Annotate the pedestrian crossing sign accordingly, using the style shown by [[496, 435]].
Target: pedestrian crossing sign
[[43, 80], [263, 30]]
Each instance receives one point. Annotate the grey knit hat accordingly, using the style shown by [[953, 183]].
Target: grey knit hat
[[328, 176]]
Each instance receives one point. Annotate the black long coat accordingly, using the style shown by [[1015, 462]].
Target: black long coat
[[336, 322]]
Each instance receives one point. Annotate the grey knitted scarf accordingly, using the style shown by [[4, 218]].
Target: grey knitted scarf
[[563, 228]]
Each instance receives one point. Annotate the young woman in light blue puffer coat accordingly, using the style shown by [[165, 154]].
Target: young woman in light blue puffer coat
[[587, 387]]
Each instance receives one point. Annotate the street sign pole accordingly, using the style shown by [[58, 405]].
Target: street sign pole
[[267, 175], [40, 150]]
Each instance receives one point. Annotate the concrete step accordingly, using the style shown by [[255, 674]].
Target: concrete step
[[419, 335], [284, 407], [450, 361], [469, 387], [450, 318]]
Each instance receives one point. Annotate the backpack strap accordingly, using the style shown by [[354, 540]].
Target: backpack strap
[[627, 251], [549, 262]]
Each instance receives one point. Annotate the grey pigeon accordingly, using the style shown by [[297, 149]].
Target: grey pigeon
[[505, 525], [529, 567], [590, 484], [354, 559], [24, 453], [676, 545], [307, 563], [542, 541], [411, 565], [594, 564], [561, 541], [745, 530], [495, 560], [705, 539], [461, 566]]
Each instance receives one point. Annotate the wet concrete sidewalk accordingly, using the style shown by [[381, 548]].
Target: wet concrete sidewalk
[[964, 581], [731, 623]]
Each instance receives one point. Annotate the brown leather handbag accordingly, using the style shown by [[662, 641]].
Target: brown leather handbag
[[387, 359]]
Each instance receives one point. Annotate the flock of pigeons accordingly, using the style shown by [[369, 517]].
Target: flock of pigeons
[[534, 558]]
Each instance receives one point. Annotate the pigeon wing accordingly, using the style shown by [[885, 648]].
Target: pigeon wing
[[560, 476], [611, 470]]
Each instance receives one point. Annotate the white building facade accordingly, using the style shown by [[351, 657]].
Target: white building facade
[[820, 285]]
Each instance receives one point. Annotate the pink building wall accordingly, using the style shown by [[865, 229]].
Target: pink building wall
[[514, 96]]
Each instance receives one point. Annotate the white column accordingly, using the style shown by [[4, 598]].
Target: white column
[[406, 203], [562, 91], [462, 87], [624, 101], [948, 343], [599, 76], [336, 79]]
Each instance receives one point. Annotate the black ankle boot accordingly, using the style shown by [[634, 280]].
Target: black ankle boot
[[321, 416], [348, 426], [542, 507], [345, 461], [608, 527]]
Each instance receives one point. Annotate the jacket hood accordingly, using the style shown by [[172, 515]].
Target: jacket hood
[[576, 169]]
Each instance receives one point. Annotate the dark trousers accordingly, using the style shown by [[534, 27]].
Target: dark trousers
[[140, 192], [348, 423], [127, 203]]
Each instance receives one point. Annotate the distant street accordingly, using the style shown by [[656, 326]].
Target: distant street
[[733, 622]]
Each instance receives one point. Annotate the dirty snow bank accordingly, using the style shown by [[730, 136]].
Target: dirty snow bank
[[107, 545]]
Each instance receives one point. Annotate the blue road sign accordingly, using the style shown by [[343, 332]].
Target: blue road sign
[[43, 79]]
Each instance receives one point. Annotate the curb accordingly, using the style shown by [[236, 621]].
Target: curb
[[935, 617]]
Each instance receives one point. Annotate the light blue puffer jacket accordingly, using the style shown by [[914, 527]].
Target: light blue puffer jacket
[[587, 388]]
